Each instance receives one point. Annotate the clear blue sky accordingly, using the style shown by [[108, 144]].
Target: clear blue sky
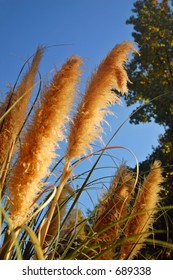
[[92, 28]]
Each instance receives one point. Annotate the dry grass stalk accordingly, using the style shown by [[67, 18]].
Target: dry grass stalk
[[12, 123], [55, 223], [40, 141], [71, 227], [113, 207], [72, 232], [86, 127], [146, 205]]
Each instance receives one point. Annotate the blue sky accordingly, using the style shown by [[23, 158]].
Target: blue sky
[[90, 28]]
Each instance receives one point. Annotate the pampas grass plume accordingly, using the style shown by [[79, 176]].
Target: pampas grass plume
[[40, 141], [113, 206], [11, 125], [86, 127], [145, 207]]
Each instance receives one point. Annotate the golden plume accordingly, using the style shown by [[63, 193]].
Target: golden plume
[[12, 123], [86, 126], [113, 206], [40, 140], [145, 207]]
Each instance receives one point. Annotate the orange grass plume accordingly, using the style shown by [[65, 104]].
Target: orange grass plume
[[146, 205], [113, 206], [40, 141], [87, 124], [12, 123]]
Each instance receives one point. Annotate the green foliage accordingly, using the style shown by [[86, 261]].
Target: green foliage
[[152, 72]]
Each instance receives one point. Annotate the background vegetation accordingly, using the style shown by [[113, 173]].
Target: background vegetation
[[152, 72]]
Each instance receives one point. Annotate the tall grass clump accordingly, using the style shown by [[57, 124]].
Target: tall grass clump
[[40, 152]]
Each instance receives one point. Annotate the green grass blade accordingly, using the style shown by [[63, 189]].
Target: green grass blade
[[35, 242]]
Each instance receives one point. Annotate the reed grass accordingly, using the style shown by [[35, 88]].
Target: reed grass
[[41, 220]]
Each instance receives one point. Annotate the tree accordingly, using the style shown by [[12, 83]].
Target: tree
[[152, 73]]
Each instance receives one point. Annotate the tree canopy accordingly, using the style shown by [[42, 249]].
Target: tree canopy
[[152, 71], [152, 76]]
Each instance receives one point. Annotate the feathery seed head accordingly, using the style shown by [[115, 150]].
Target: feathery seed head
[[86, 126], [114, 204], [12, 123], [113, 207], [40, 140], [145, 203]]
